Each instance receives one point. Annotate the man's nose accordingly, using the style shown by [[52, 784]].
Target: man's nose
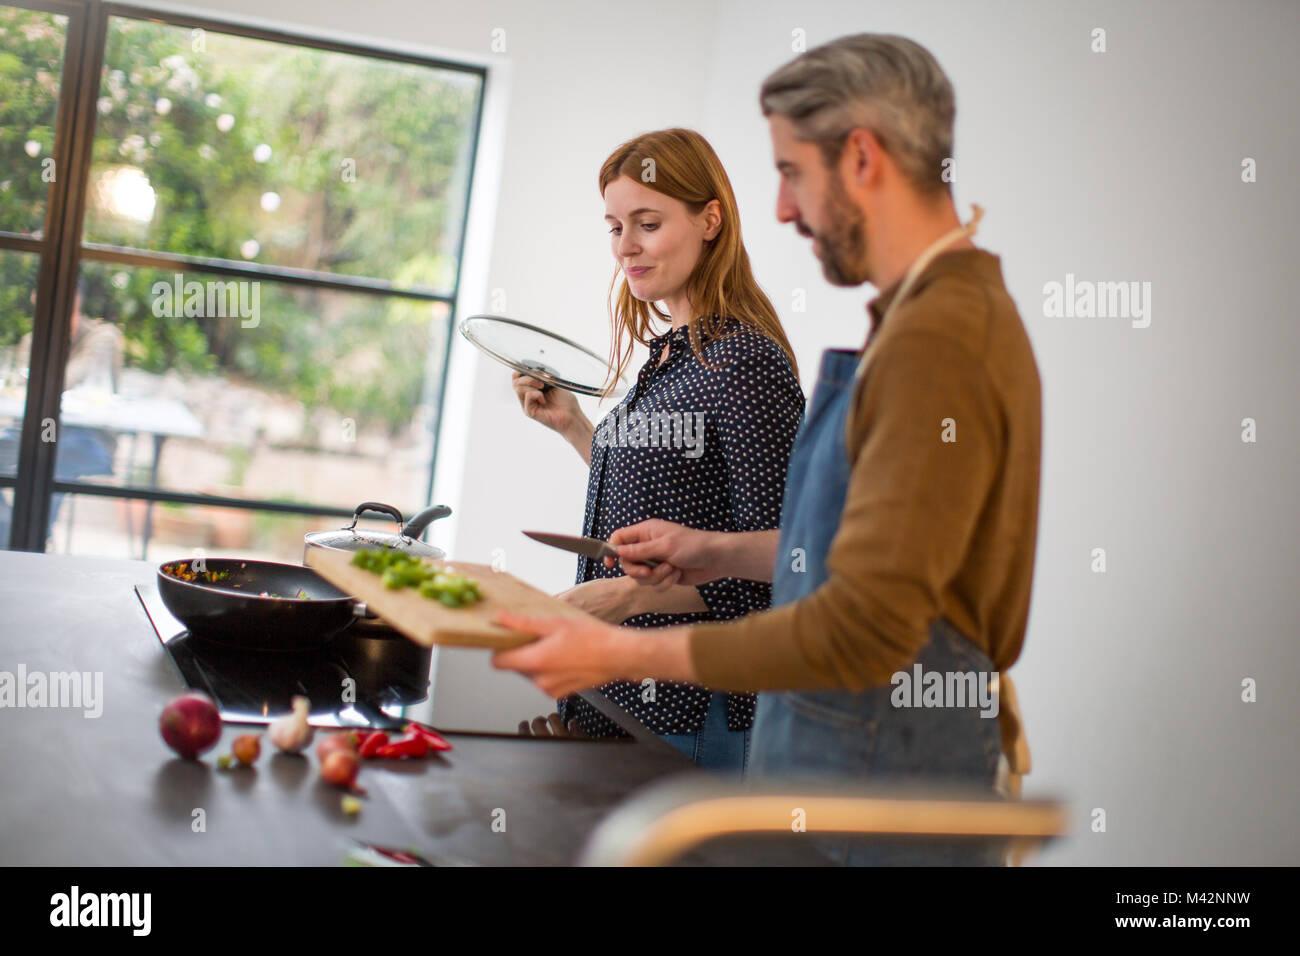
[[786, 208]]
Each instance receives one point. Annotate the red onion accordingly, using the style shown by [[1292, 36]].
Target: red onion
[[190, 724]]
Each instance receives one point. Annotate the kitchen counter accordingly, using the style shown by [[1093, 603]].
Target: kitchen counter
[[92, 791]]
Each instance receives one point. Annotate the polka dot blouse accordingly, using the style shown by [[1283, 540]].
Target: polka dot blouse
[[707, 448]]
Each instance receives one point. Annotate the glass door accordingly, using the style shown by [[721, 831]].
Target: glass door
[[256, 267], [40, 51]]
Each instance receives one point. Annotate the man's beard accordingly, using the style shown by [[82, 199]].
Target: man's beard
[[844, 241]]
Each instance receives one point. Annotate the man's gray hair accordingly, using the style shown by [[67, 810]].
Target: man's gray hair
[[887, 84]]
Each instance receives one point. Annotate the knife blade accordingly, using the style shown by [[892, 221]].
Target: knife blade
[[592, 548]]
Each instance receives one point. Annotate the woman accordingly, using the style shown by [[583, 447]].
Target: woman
[[702, 438]]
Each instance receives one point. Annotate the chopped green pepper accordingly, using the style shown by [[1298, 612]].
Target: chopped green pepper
[[398, 570]]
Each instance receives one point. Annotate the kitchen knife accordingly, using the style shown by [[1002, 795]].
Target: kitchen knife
[[592, 548]]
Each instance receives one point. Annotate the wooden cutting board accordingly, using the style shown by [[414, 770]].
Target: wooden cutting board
[[429, 622]]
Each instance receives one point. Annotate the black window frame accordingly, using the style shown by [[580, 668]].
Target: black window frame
[[62, 249]]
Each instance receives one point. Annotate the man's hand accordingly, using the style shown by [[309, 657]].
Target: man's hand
[[574, 653], [684, 555]]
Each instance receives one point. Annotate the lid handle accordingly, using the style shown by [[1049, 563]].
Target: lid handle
[[374, 506]]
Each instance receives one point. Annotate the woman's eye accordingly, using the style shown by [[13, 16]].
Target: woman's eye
[[614, 231], [650, 226]]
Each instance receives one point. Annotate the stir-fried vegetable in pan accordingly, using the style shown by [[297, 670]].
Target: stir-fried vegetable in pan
[[185, 571]]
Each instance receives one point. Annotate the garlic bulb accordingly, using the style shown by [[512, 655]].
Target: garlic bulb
[[291, 733]]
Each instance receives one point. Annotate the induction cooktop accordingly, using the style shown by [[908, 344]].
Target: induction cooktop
[[384, 676], [357, 680]]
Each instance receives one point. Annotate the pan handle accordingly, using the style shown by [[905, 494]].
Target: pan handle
[[374, 506], [415, 527]]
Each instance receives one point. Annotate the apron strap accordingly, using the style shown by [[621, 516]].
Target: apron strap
[[923, 260], [1017, 751]]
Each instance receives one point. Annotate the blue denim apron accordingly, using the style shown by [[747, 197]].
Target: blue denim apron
[[859, 736]]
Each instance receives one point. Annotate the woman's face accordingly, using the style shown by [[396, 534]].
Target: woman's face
[[654, 238]]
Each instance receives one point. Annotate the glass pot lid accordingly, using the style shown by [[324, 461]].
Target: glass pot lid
[[544, 355]]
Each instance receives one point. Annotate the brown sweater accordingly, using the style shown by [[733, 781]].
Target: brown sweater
[[930, 527]]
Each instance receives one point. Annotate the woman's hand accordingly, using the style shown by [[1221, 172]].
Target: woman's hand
[[552, 726], [684, 555], [690, 556], [556, 408], [610, 599]]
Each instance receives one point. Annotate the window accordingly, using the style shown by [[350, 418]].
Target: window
[[228, 264]]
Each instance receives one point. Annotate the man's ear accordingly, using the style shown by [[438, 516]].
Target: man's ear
[[862, 154]]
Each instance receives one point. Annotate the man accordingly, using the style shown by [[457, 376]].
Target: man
[[909, 521]]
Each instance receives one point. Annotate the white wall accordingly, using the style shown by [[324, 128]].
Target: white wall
[[1115, 166]]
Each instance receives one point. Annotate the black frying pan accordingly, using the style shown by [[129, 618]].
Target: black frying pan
[[256, 605]]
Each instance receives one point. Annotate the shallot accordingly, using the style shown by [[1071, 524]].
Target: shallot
[[246, 748], [333, 742], [340, 768]]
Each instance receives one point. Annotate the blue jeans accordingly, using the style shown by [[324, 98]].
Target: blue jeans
[[713, 746]]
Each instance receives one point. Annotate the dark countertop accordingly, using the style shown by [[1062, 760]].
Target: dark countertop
[[107, 791]]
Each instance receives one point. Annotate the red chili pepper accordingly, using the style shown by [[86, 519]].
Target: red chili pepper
[[361, 736], [373, 742], [404, 747], [435, 740], [398, 856]]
